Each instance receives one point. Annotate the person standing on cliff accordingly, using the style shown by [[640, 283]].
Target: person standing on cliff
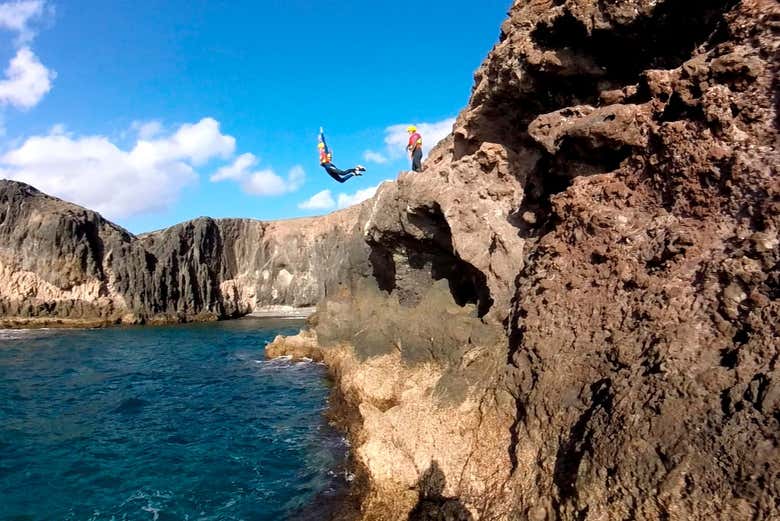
[[326, 158], [415, 148]]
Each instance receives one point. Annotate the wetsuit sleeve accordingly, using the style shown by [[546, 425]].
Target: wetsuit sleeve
[[322, 139]]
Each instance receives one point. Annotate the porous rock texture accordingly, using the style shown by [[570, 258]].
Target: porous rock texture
[[61, 264], [571, 314], [573, 311]]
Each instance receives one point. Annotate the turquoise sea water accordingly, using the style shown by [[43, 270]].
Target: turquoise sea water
[[162, 423]]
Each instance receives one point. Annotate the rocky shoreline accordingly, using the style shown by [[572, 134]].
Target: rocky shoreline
[[570, 315], [283, 312], [361, 393]]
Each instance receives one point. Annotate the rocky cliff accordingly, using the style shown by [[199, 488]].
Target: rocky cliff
[[573, 311], [571, 314], [64, 265]]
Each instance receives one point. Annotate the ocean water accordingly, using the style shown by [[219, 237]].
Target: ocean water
[[163, 423]]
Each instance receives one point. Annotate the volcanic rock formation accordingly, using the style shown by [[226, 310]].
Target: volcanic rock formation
[[573, 311], [571, 314], [61, 264]]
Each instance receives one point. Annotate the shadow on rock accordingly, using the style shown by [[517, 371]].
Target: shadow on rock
[[432, 505]]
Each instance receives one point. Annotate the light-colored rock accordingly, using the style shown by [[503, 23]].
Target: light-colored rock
[[61, 264], [612, 357], [608, 200]]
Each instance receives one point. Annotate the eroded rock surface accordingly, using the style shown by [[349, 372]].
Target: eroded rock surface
[[571, 314], [63, 264], [429, 420], [573, 311]]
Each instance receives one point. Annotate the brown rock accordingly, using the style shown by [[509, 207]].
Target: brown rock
[[610, 181], [612, 358]]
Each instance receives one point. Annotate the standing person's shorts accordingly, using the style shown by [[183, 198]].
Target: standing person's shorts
[[417, 160]]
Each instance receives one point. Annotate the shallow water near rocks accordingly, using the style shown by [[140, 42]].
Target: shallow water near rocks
[[162, 423]]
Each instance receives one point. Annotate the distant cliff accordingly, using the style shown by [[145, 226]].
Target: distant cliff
[[64, 265]]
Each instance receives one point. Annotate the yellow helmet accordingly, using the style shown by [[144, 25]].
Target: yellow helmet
[[320, 145], [411, 128]]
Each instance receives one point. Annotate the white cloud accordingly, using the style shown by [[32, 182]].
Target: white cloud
[[374, 157], [236, 171], [319, 201], [325, 201], [94, 172], [58, 129], [147, 129], [345, 200], [27, 80], [196, 143], [264, 182], [396, 136], [296, 178], [267, 182], [16, 16], [261, 182]]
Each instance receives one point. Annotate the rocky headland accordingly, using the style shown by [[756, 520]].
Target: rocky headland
[[571, 314], [573, 311], [63, 265]]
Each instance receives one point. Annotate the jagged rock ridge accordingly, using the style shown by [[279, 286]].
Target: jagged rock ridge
[[573, 311], [570, 315], [63, 264]]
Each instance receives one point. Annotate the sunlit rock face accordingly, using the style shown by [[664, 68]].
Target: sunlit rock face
[[572, 312], [61, 264]]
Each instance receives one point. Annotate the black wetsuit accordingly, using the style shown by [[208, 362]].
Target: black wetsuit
[[339, 175]]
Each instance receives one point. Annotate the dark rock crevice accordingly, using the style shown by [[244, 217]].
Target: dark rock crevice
[[662, 39], [93, 251], [428, 254]]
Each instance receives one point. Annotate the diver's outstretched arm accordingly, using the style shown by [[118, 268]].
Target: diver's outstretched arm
[[322, 140]]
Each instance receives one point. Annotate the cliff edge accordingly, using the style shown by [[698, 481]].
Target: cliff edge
[[572, 312]]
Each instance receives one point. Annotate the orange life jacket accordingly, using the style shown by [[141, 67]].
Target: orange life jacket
[[415, 141], [325, 157]]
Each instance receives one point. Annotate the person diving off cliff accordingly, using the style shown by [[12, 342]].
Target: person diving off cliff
[[326, 158]]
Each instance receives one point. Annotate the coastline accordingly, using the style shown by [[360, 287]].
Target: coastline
[[513, 332], [343, 413], [385, 406], [283, 312], [269, 312]]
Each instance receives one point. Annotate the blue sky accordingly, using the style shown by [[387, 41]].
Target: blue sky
[[155, 112]]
